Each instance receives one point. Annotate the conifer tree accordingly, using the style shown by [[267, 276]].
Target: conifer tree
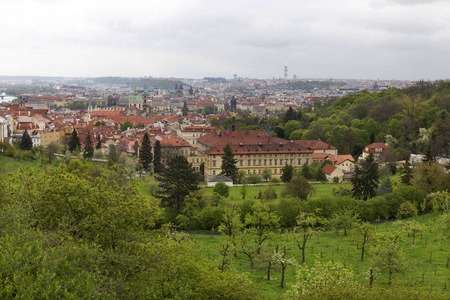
[[157, 159], [26, 143], [176, 182], [365, 179], [406, 175], [88, 147], [74, 142], [229, 168], [145, 153], [99, 143]]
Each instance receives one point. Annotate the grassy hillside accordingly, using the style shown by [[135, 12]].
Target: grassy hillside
[[427, 260]]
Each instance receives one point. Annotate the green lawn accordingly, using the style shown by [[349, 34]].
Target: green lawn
[[333, 246], [321, 190], [11, 165]]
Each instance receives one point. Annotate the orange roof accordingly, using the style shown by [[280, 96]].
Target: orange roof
[[314, 144], [320, 155], [342, 158], [328, 169]]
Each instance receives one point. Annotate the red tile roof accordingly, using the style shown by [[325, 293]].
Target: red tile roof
[[328, 169]]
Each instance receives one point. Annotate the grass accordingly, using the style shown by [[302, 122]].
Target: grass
[[321, 190], [427, 260], [11, 165]]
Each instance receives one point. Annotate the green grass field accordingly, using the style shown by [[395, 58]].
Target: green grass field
[[427, 260]]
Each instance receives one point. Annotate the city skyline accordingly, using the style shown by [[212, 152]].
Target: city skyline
[[379, 39]]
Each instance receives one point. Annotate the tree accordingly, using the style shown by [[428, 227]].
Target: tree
[[406, 173], [229, 167], [100, 123], [145, 153], [431, 177], [287, 173], [289, 115], [51, 149], [124, 126], [412, 228], [305, 171], [88, 147], [260, 224], [304, 231], [157, 158], [222, 189], [298, 187], [113, 155], [243, 191], [364, 236], [25, 142], [388, 255], [176, 182], [365, 179], [74, 142], [99, 143], [280, 257], [343, 219], [267, 173]]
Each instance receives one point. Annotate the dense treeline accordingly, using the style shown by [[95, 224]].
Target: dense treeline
[[411, 120]]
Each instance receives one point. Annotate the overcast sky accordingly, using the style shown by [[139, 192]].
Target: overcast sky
[[361, 39]]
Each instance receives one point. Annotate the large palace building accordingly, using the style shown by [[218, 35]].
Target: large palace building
[[255, 151]]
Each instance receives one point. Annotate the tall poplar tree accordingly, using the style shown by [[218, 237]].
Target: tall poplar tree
[[229, 168], [99, 143], [26, 143], [145, 153], [74, 141], [88, 147], [157, 159]]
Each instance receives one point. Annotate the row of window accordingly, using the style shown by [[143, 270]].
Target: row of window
[[266, 162], [198, 160], [270, 155]]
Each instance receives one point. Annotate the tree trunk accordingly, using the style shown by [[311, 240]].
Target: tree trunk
[[362, 253], [283, 268], [268, 270]]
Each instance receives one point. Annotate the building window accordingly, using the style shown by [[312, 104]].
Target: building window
[[197, 160], [276, 161], [270, 162], [214, 163], [265, 162], [214, 172], [248, 171], [254, 171], [259, 171], [292, 161], [240, 163], [259, 161], [249, 162]]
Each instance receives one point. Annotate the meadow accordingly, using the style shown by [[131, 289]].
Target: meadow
[[427, 261]]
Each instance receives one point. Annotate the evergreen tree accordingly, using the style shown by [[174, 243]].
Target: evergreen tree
[[88, 147], [157, 159], [26, 143], [406, 175], [365, 180], [145, 153], [290, 115], [99, 143], [288, 173], [176, 182], [305, 171], [229, 168], [74, 141]]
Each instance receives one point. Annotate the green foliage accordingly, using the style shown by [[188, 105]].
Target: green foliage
[[177, 181], [88, 147], [25, 142], [145, 153], [229, 167], [100, 123], [254, 179], [298, 187], [157, 157], [74, 142], [365, 179], [287, 173], [431, 177], [127, 124], [222, 189]]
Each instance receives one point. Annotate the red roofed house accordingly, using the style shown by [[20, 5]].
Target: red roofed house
[[377, 149], [332, 172]]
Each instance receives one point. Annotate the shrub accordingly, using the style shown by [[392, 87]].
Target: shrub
[[254, 179], [406, 209], [222, 189]]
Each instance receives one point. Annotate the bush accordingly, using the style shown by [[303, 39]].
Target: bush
[[222, 189], [275, 180], [374, 209], [288, 209], [254, 179], [210, 217], [406, 209], [268, 194]]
